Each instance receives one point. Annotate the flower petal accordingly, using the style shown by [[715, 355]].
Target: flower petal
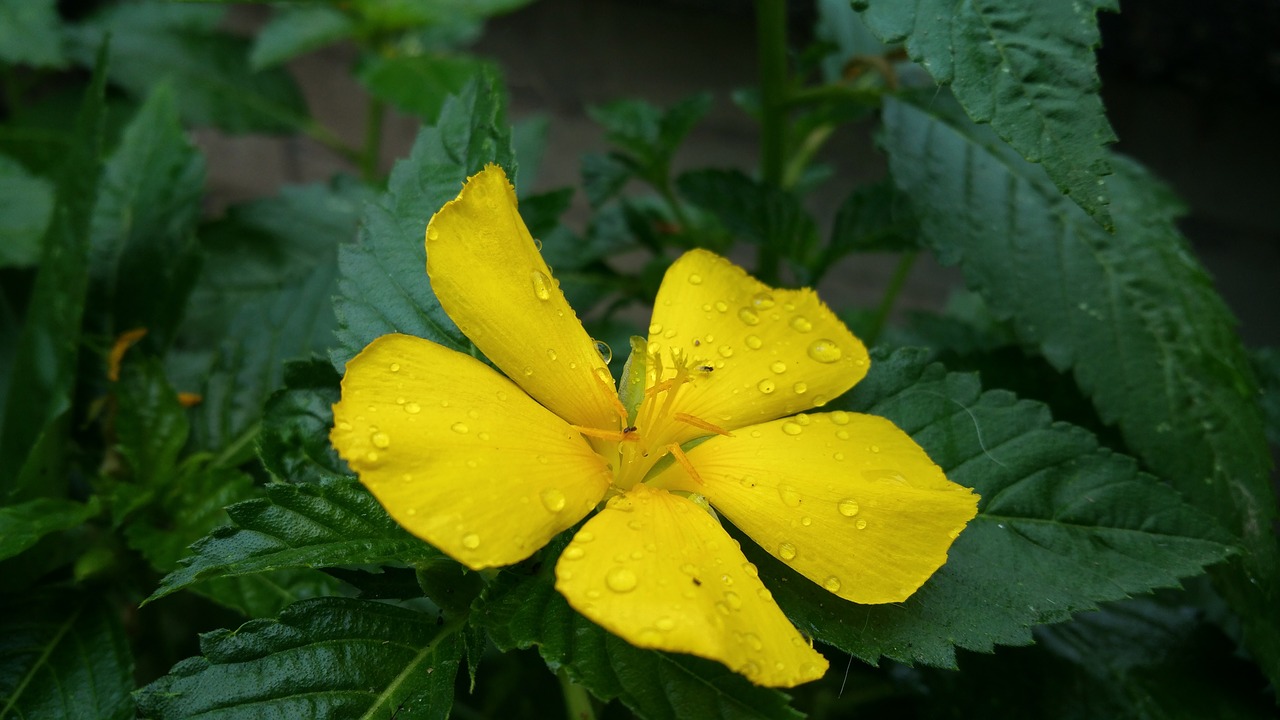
[[491, 280], [771, 352], [848, 500], [658, 571], [459, 455]]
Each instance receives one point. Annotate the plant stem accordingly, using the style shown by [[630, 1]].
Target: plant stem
[[896, 284], [577, 702], [771, 45], [372, 140]]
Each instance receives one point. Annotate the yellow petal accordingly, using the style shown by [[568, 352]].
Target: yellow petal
[[658, 571], [459, 455], [491, 280], [762, 353], [848, 500]]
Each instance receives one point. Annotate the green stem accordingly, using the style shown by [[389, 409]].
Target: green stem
[[372, 140], [891, 293], [771, 45], [576, 700], [330, 140]]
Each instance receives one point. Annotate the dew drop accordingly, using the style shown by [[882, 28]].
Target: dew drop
[[848, 507], [800, 388], [432, 232], [725, 351], [528, 371], [840, 417], [801, 323], [842, 434], [762, 300], [832, 584], [789, 496], [750, 569], [380, 440], [552, 499], [722, 306], [787, 551], [604, 351], [861, 524], [792, 427], [484, 436], [778, 367], [732, 599], [874, 448], [395, 367], [839, 456], [541, 285], [471, 541], [621, 580], [754, 342], [551, 354], [695, 279], [665, 623], [754, 641], [460, 428], [344, 426], [825, 351], [412, 408], [766, 386], [748, 316], [371, 456]]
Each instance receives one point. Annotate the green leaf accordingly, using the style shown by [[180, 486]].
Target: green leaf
[[44, 361], [603, 176], [397, 14], [323, 524], [873, 218], [383, 284], [1131, 314], [1024, 66], [149, 202], [63, 657], [846, 34], [523, 612], [322, 658], [209, 69], [419, 84], [295, 31], [30, 33], [294, 442], [1266, 362], [22, 525], [151, 425], [26, 207], [1063, 525]]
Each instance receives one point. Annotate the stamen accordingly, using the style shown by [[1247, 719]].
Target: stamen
[[688, 419], [629, 435], [683, 459], [122, 343], [663, 386], [601, 374]]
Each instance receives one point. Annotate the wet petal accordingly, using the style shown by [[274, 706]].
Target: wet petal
[[848, 500], [489, 277], [459, 455], [657, 570], [760, 353]]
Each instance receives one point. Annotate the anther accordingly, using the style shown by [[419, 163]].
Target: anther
[[683, 459], [688, 419], [614, 435]]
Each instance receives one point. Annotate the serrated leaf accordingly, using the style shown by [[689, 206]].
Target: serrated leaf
[[419, 84], [30, 33], [63, 657], [1024, 66], [1063, 525], [26, 207], [1131, 314], [209, 69], [322, 658], [294, 31], [44, 362], [526, 611], [382, 282], [22, 525], [322, 524], [873, 218], [151, 425], [603, 177], [293, 444], [144, 222]]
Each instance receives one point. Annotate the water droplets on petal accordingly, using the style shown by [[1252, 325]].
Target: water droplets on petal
[[766, 386], [848, 507], [825, 351], [786, 551], [552, 499], [791, 427], [789, 496], [762, 300], [380, 440], [604, 351], [754, 342], [471, 541], [541, 285], [460, 428], [748, 316], [621, 580], [801, 323], [832, 584], [778, 367]]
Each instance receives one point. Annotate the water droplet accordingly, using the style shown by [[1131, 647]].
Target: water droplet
[[754, 641], [604, 351], [432, 232], [750, 569], [800, 388], [732, 600], [874, 448], [344, 426], [792, 427], [695, 279], [552, 499], [726, 578], [573, 553], [789, 496], [762, 300], [471, 541], [621, 580], [412, 408], [753, 342], [395, 367], [484, 436], [722, 306], [460, 428], [801, 323], [840, 417], [371, 456], [861, 524], [748, 316], [551, 354], [787, 551], [766, 386], [848, 507], [725, 351], [838, 456], [832, 584], [803, 419], [825, 351], [528, 371], [778, 367], [655, 328], [665, 623], [380, 440], [842, 434], [541, 285]]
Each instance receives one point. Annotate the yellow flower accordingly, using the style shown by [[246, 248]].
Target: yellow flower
[[488, 467]]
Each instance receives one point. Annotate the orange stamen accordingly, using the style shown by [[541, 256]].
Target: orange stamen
[[190, 399], [683, 459], [125, 341], [614, 435], [660, 387], [700, 423]]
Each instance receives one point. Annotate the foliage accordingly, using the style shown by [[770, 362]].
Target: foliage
[[168, 370]]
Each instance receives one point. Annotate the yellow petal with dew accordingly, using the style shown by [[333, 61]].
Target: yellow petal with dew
[[660, 572], [756, 353], [459, 455], [848, 500], [490, 278]]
